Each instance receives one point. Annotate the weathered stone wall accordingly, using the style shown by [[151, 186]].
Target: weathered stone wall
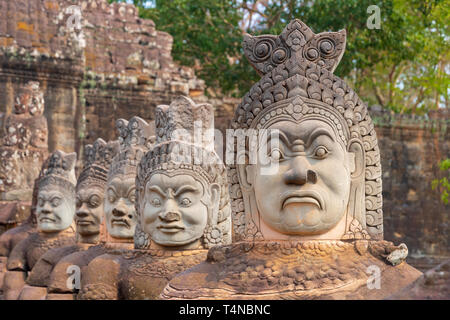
[[110, 65], [411, 149]]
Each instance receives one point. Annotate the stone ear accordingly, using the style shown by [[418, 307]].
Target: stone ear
[[214, 190], [356, 158], [247, 175]]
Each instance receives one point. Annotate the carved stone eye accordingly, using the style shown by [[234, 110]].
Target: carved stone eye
[[56, 201], [94, 201], [111, 196], [185, 202], [275, 154], [156, 202], [78, 202], [132, 196], [320, 152]]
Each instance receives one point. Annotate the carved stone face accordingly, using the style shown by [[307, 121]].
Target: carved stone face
[[119, 207], [175, 211], [89, 210], [54, 210], [309, 193]]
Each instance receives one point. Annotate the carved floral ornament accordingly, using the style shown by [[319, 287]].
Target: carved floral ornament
[[298, 85], [297, 40]]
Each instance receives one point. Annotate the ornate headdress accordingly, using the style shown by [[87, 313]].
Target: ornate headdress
[[298, 82], [97, 161], [177, 149], [60, 172], [135, 139]]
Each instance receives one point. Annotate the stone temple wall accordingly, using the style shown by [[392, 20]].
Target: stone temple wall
[[411, 149], [117, 66], [94, 69]]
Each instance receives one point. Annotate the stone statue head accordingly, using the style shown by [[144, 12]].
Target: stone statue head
[[182, 192], [120, 214], [320, 143], [90, 188], [55, 207]]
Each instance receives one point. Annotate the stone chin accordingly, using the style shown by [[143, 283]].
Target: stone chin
[[121, 230], [179, 238], [302, 219]]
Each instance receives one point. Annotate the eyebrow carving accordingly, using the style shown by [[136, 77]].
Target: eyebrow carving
[[281, 136], [184, 189], [130, 190], [157, 190], [319, 132]]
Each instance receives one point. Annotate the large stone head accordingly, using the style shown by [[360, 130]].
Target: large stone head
[[90, 189], [135, 139], [55, 206], [182, 193], [317, 173]]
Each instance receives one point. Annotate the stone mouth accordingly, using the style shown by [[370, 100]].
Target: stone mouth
[[302, 196], [81, 222], [46, 219], [169, 228], [120, 223]]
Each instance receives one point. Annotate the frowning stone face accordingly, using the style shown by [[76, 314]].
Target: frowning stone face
[[119, 207], [309, 192], [54, 210], [89, 210], [175, 211]]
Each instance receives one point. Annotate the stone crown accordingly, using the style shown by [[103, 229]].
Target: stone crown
[[60, 171], [97, 161]]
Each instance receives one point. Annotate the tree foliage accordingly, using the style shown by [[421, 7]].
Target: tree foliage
[[443, 184], [402, 66]]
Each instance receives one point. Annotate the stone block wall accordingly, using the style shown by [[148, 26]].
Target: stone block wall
[[411, 149], [95, 62]]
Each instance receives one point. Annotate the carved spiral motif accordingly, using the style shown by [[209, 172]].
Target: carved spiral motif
[[279, 55], [312, 54], [327, 47], [263, 49]]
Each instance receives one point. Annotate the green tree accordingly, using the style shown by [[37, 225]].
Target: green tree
[[402, 66], [443, 183]]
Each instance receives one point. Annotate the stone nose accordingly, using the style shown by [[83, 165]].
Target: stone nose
[[170, 213], [82, 212], [300, 172], [120, 209], [46, 208]]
